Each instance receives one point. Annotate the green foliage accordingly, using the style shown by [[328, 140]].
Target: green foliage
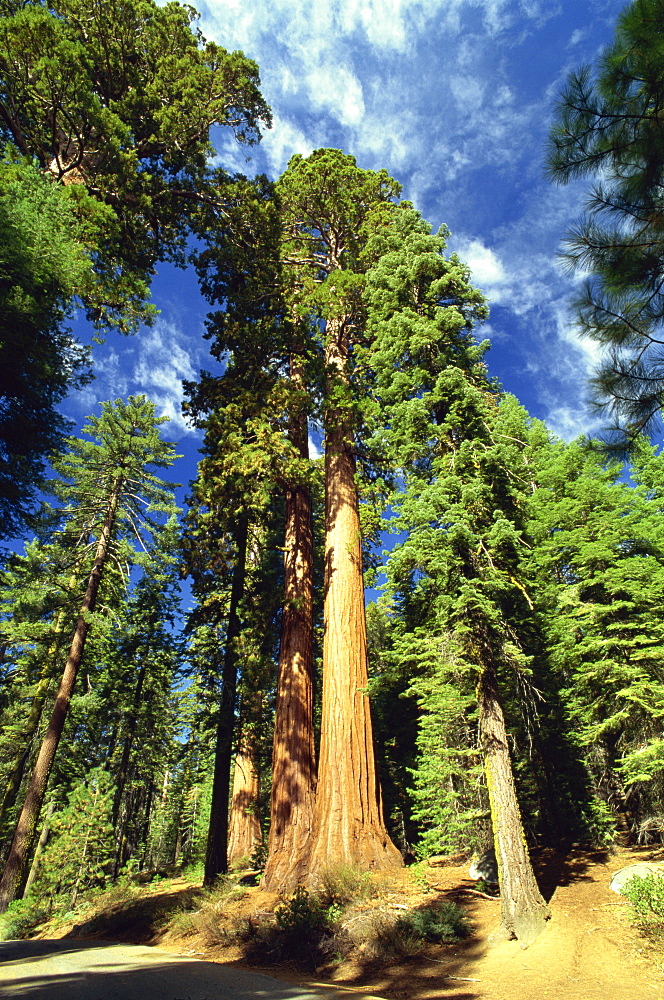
[[116, 99], [646, 896], [598, 555], [43, 265], [81, 845], [22, 916], [303, 917], [608, 126], [439, 922]]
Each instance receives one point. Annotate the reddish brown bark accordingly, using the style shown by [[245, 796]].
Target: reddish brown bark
[[293, 760], [523, 911], [13, 876], [244, 827], [348, 819]]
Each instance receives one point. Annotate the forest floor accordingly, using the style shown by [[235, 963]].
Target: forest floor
[[590, 950]]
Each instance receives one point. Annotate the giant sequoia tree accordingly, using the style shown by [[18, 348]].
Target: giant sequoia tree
[[108, 483], [328, 207]]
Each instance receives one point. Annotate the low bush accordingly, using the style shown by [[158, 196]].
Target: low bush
[[343, 884], [439, 922], [646, 897], [22, 916]]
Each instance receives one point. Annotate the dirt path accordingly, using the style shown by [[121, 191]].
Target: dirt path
[[589, 950]]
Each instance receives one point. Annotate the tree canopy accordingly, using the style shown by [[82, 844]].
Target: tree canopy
[[608, 126]]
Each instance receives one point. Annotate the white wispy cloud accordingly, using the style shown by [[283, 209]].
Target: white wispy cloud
[[153, 363], [453, 97]]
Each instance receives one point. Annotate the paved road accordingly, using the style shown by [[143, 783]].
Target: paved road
[[95, 970]]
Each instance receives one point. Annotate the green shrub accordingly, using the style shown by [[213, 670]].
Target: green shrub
[[439, 922], [303, 915], [646, 896], [22, 916]]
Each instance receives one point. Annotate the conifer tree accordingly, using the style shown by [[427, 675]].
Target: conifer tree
[[106, 109], [458, 568], [598, 560], [328, 205], [115, 100], [43, 265], [107, 481], [608, 127], [272, 355]]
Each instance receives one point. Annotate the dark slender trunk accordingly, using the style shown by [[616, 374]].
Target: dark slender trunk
[[14, 874], [17, 770], [216, 858], [523, 911], [293, 759], [348, 820], [130, 730]]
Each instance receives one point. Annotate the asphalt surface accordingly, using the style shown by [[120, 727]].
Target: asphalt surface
[[95, 970]]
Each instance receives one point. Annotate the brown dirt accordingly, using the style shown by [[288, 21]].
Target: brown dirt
[[588, 951]]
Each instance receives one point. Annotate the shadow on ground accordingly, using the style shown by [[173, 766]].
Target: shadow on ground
[[86, 970]]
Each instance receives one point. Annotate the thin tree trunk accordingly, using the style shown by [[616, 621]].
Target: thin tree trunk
[[216, 860], [348, 819], [127, 746], [41, 844], [244, 829], [17, 771], [523, 911], [293, 757], [132, 721], [14, 873]]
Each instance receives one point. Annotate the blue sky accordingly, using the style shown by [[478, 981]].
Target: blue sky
[[454, 98]]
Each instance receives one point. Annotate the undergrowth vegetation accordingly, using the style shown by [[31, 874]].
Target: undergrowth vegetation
[[348, 913], [646, 897]]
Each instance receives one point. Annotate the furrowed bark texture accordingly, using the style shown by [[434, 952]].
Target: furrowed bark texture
[[523, 911], [14, 875], [293, 760], [216, 858], [348, 819], [244, 828]]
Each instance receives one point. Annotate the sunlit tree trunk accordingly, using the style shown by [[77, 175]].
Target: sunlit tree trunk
[[39, 850], [523, 911], [293, 762], [244, 827], [14, 873], [348, 819]]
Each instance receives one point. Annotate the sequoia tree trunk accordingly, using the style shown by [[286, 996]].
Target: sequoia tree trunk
[[348, 817], [523, 911], [293, 759], [216, 857], [13, 878], [244, 828]]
